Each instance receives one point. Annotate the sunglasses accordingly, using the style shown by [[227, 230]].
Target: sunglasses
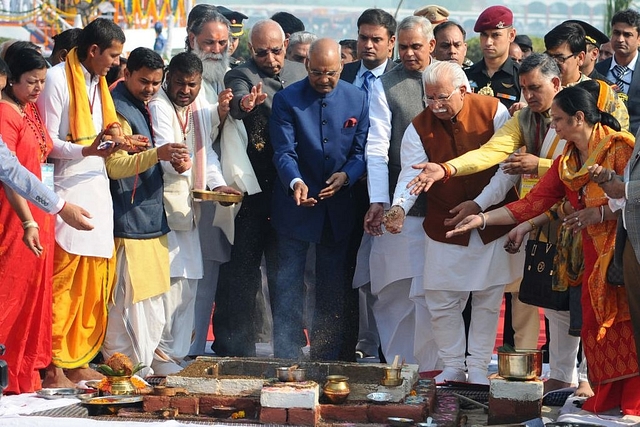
[[261, 53]]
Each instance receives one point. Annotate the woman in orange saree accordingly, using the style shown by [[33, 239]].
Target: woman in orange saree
[[593, 137]]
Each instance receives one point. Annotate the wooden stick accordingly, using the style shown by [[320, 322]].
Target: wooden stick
[[395, 361]]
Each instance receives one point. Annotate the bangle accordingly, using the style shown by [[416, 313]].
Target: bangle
[[242, 107], [562, 211], [601, 213], [484, 221], [533, 224], [447, 171], [30, 224]]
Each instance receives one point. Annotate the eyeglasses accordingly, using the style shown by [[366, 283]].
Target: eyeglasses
[[261, 53], [441, 100], [561, 59], [316, 73]]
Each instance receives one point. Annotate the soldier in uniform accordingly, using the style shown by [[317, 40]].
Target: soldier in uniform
[[236, 31], [496, 74]]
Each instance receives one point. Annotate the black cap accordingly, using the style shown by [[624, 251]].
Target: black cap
[[592, 35], [235, 19], [523, 41]]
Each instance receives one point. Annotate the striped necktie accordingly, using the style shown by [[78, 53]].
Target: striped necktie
[[618, 72], [367, 82]]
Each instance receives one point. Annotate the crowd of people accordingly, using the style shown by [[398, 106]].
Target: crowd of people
[[379, 197]]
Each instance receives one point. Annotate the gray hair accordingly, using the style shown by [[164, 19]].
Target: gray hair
[[439, 71], [418, 23], [201, 15], [301, 37], [547, 65], [264, 22]]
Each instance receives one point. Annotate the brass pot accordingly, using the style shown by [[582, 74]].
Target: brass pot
[[121, 385], [336, 388], [392, 376], [521, 365]]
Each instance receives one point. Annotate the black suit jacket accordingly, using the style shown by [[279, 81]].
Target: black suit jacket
[[350, 70], [633, 101]]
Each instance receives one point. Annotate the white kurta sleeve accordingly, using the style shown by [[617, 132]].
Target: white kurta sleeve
[[411, 153], [377, 147]]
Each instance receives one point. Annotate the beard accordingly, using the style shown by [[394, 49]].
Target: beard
[[214, 65]]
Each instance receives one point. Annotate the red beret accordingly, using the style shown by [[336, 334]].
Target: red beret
[[494, 17]]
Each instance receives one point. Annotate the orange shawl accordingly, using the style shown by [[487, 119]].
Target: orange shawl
[[612, 150]]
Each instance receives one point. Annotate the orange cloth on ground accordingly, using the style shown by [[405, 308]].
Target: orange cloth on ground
[[82, 287], [25, 280]]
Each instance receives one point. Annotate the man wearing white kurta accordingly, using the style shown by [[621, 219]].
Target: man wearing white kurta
[[179, 116], [480, 264], [396, 261], [76, 106]]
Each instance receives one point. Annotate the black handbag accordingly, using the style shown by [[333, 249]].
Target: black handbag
[[536, 287], [614, 270]]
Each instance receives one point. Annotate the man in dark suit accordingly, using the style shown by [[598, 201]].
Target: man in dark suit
[[318, 129], [376, 37], [620, 69], [254, 84]]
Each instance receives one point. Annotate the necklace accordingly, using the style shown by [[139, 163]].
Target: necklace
[[34, 123], [185, 125]]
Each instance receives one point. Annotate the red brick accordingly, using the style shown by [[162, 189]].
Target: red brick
[[345, 413], [155, 403], [273, 415], [302, 416], [508, 411], [185, 404], [380, 413], [248, 405]]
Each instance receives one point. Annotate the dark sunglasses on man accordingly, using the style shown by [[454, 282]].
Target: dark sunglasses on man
[[261, 53]]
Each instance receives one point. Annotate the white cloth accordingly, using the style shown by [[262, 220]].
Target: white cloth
[[176, 336], [398, 256], [185, 255], [235, 165], [397, 265], [563, 348], [443, 259], [377, 148], [133, 329], [77, 179], [448, 326]]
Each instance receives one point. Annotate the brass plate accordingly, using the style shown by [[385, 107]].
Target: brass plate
[[113, 400], [216, 196]]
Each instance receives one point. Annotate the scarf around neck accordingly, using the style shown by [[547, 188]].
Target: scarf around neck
[[81, 128]]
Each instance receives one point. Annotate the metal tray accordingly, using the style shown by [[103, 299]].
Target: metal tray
[[216, 196], [112, 400], [59, 393]]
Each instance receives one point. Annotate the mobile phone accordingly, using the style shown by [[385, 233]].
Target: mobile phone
[[105, 144]]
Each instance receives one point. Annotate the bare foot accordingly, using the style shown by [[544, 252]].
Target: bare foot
[[80, 374], [552, 384], [54, 377], [584, 389]]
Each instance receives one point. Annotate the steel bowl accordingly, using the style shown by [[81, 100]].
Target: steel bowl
[[290, 374], [522, 365]]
